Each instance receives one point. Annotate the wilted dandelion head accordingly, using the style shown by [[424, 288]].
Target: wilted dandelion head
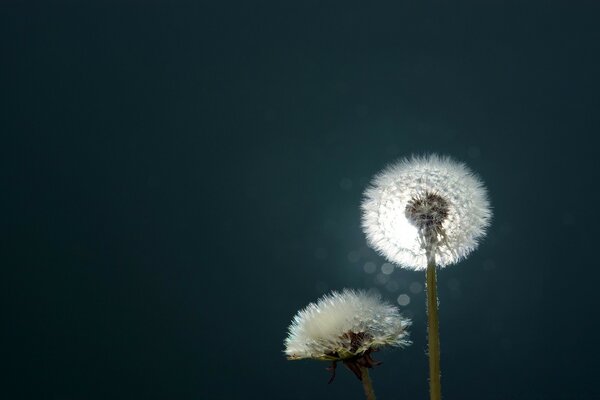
[[343, 326], [425, 203]]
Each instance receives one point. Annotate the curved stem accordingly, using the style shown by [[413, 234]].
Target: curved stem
[[367, 384], [433, 331]]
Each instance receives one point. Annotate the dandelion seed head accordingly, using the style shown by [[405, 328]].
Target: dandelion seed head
[[346, 324], [422, 200]]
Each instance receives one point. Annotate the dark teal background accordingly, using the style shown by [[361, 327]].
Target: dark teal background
[[179, 178]]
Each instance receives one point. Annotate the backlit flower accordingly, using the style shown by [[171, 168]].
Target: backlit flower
[[422, 203], [346, 327]]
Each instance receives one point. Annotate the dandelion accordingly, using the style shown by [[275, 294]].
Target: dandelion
[[422, 212], [425, 201], [346, 326]]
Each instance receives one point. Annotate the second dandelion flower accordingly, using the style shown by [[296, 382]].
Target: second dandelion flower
[[347, 327]]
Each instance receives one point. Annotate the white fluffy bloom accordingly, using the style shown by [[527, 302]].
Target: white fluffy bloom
[[425, 198], [340, 326]]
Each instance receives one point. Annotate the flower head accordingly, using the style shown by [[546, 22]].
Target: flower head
[[425, 205], [346, 327]]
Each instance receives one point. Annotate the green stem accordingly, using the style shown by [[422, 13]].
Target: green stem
[[433, 331], [367, 384]]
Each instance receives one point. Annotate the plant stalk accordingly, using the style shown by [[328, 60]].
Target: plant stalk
[[433, 330], [367, 384]]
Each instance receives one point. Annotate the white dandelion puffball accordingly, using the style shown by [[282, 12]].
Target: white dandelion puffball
[[422, 203], [343, 325]]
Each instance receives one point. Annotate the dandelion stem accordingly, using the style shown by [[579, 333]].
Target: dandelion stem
[[433, 330], [367, 384]]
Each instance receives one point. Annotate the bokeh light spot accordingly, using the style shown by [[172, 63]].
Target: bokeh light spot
[[387, 268], [403, 299], [370, 267], [382, 279], [416, 287], [353, 256]]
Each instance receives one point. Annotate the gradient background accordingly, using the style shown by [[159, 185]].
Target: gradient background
[[179, 178]]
